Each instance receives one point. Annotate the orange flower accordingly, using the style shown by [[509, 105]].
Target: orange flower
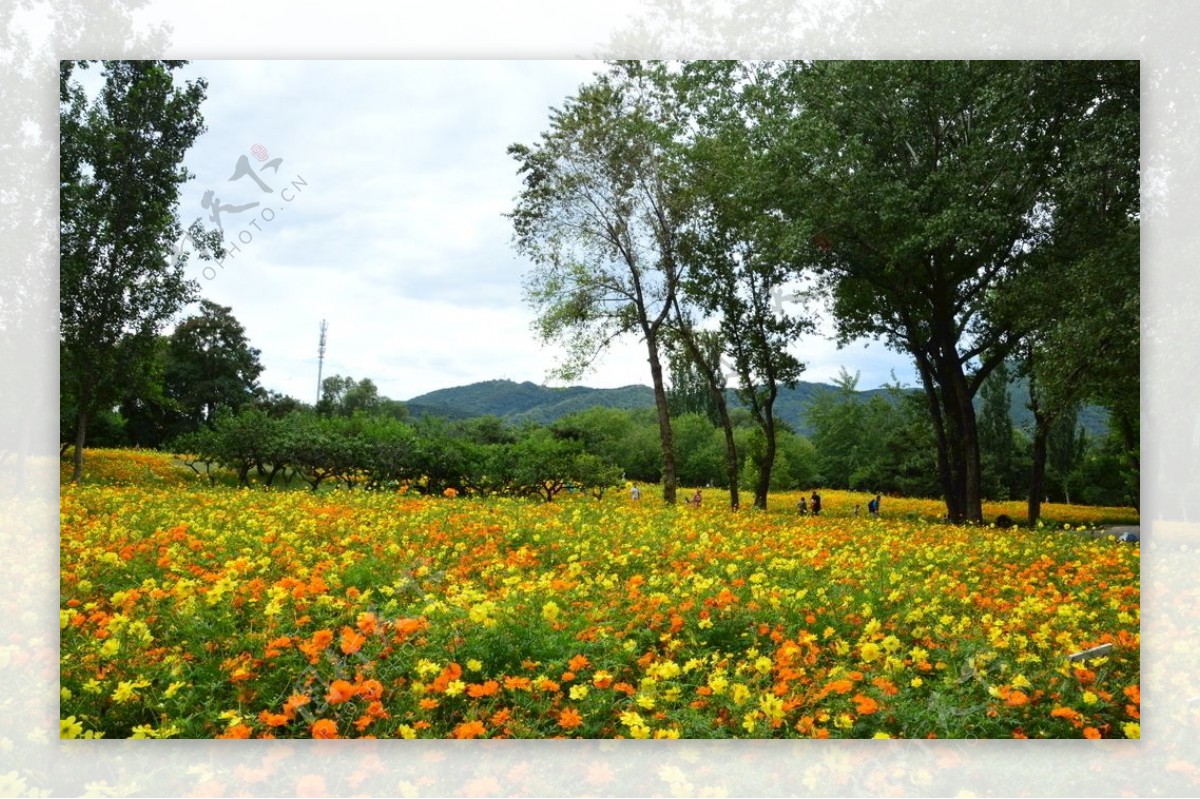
[[352, 641], [449, 674], [489, 688], [469, 729], [294, 701], [236, 731], [316, 645], [579, 663], [1070, 714], [371, 690], [548, 685], [887, 686], [428, 703], [366, 622], [569, 719], [865, 705], [273, 719], [567, 676], [518, 683], [277, 645], [1091, 732], [340, 691], [1016, 698], [839, 687], [1134, 693], [324, 728], [406, 627]]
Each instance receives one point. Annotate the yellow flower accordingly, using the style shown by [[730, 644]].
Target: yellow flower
[[771, 706], [550, 611], [740, 693], [881, 734], [127, 690], [1021, 682], [1132, 729], [916, 682], [69, 728], [631, 718], [474, 665], [870, 651], [1090, 698], [763, 665], [578, 692], [455, 688]]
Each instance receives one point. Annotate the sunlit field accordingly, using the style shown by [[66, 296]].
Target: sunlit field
[[198, 611]]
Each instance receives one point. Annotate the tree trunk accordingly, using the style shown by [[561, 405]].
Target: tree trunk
[[669, 479], [1037, 474], [767, 463], [957, 435], [81, 423], [731, 466]]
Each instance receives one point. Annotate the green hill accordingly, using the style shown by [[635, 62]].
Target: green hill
[[519, 402]]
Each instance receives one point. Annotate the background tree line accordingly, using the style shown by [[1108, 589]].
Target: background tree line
[[203, 400]]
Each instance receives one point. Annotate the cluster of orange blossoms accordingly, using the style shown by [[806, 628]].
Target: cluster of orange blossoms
[[198, 611]]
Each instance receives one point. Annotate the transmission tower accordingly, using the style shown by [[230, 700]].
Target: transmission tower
[[321, 358]]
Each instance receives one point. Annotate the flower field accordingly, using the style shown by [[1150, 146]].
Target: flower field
[[200, 612]]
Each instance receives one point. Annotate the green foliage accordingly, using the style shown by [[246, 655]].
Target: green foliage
[[997, 445]]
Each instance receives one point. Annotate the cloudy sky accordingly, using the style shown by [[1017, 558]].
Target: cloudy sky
[[388, 185]]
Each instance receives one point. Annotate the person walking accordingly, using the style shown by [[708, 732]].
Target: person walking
[[803, 506], [816, 504]]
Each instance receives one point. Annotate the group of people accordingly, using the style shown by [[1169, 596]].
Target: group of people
[[805, 506], [635, 493]]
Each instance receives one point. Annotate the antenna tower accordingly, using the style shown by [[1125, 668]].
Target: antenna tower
[[321, 357]]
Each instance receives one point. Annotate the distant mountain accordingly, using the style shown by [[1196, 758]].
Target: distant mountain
[[519, 402], [527, 401]]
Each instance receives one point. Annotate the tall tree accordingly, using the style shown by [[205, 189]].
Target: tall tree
[[735, 251], [1080, 306], [919, 190], [121, 168], [211, 365], [600, 217]]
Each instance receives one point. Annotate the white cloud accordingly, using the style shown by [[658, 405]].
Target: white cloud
[[394, 229]]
